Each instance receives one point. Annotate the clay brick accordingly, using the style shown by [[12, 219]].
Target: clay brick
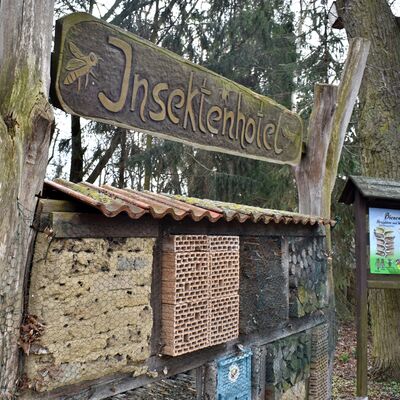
[[185, 243], [224, 273], [224, 319], [223, 243], [184, 327], [185, 277]]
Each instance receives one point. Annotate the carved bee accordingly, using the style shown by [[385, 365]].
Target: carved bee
[[80, 65]]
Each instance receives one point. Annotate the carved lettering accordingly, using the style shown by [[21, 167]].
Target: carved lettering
[[240, 118], [260, 115], [116, 106], [269, 130], [137, 84], [177, 93], [204, 92], [191, 94], [159, 116], [250, 136], [228, 116], [214, 115]]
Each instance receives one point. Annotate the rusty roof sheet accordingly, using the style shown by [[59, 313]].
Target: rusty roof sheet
[[112, 201]]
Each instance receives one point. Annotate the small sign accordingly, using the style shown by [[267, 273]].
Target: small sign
[[384, 238], [109, 75]]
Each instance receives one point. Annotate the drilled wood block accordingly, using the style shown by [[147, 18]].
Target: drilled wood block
[[185, 243], [184, 327], [223, 243], [224, 273], [223, 319], [185, 277]]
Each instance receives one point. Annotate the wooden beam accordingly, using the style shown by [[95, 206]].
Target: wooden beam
[[379, 284], [83, 225], [204, 227], [361, 295], [333, 106], [348, 89], [50, 205], [310, 173]]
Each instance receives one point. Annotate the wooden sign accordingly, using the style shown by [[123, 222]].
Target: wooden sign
[[112, 76]]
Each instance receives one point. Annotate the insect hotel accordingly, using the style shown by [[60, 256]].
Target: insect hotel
[[128, 288], [170, 295]]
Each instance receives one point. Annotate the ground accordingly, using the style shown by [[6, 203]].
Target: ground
[[344, 380]]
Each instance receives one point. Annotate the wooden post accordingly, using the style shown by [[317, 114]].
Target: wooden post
[[316, 174], [26, 121], [361, 295]]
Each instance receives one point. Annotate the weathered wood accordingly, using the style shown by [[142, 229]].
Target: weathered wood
[[258, 367], [163, 367], [25, 128], [315, 181], [112, 76], [361, 295], [46, 206], [378, 284], [79, 225], [349, 87], [381, 190], [316, 174], [311, 171], [204, 227], [156, 300]]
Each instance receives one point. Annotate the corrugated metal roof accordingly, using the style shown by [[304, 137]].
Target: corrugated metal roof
[[370, 188], [112, 201]]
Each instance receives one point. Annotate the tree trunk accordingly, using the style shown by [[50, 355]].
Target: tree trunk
[[26, 121], [316, 174], [379, 133], [122, 160], [76, 171], [115, 141]]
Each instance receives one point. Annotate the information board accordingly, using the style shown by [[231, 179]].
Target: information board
[[384, 239]]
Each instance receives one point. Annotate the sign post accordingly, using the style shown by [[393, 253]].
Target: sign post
[[378, 201], [106, 74]]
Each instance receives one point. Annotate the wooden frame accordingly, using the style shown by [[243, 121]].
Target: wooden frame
[[368, 193]]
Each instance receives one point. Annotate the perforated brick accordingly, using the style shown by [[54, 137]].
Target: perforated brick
[[223, 243], [224, 273], [185, 277], [184, 327], [224, 319], [318, 381], [185, 243]]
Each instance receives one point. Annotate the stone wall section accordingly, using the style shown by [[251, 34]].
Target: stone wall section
[[288, 367], [307, 276], [93, 297]]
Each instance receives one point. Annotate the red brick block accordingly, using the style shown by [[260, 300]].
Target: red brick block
[[185, 243], [184, 327], [185, 277], [223, 319], [224, 273], [223, 243]]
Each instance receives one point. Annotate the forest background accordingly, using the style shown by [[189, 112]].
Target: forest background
[[279, 48]]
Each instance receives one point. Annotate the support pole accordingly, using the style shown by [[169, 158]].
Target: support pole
[[361, 296]]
